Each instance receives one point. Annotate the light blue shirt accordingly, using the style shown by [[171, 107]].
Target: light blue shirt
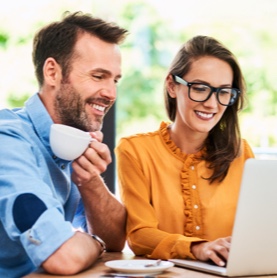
[[38, 201]]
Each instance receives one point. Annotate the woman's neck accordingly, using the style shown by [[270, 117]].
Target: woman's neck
[[188, 141]]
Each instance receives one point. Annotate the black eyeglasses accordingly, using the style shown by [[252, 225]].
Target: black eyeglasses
[[201, 92]]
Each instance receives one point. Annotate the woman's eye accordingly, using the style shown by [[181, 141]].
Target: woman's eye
[[200, 88], [225, 92]]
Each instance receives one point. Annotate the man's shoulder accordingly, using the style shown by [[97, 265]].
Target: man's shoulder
[[11, 121], [8, 113]]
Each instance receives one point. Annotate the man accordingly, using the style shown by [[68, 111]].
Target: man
[[78, 64]]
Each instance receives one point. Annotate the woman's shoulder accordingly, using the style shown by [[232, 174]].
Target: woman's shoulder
[[140, 136], [147, 139], [246, 148], [144, 136]]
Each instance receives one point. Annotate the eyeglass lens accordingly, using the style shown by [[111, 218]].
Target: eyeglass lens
[[200, 92]]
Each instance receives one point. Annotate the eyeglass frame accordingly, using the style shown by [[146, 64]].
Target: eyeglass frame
[[213, 89]]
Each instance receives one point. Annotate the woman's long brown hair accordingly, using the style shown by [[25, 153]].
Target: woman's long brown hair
[[223, 142]]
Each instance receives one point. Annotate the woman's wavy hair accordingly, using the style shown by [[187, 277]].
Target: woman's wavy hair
[[57, 40], [223, 142]]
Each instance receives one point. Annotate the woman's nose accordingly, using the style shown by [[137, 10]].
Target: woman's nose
[[212, 100]]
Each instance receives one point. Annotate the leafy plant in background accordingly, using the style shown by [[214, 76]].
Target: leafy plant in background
[[15, 100], [149, 49], [3, 40], [148, 55], [155, 44]]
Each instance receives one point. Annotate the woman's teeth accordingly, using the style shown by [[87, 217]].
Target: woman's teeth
[[205, 115]]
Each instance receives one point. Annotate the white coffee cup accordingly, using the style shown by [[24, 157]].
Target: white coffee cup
[[68, 142]]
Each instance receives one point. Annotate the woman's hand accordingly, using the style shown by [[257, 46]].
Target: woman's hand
[[217, 250]]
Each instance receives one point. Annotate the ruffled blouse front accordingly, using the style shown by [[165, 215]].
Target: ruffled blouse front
[[192, 215], [168, 202]]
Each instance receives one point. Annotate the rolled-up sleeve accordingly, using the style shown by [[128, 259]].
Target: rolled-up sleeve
[[48, 233]]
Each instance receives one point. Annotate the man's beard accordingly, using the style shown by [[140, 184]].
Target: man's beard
[[70, 109]]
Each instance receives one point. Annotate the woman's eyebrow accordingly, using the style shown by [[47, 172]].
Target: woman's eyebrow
[[208, 83]]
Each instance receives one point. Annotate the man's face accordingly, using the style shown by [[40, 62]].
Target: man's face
[[88, 92]]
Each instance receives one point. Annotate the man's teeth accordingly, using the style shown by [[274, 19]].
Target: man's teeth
[[204, 115], [98, 107]]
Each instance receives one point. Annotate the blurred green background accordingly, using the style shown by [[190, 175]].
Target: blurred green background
[[157, 30]]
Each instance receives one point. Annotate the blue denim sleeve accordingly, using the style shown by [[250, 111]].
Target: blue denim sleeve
[[45, 236], [79, 221], [36, 226]]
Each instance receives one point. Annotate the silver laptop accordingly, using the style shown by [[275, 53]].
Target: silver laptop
[[254, 238]]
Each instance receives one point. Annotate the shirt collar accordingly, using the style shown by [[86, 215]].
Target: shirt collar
[[40, 118]]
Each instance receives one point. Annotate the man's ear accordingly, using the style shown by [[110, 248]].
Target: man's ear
[[52, 72], [170, 86]]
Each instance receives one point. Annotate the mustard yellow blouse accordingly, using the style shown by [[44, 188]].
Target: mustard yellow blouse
[[169, 205]]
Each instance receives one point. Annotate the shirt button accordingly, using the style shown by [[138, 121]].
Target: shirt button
[[197, 227], [63, 166], [195, 206], [193, 186]]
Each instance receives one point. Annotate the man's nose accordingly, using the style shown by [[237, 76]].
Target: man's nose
[[109, 91]]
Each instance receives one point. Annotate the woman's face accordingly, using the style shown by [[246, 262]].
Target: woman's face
[[201, 117]]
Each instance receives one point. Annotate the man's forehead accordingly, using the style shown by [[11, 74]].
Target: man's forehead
[[92, 54]]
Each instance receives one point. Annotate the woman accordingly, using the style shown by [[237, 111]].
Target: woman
[[180, 184]]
